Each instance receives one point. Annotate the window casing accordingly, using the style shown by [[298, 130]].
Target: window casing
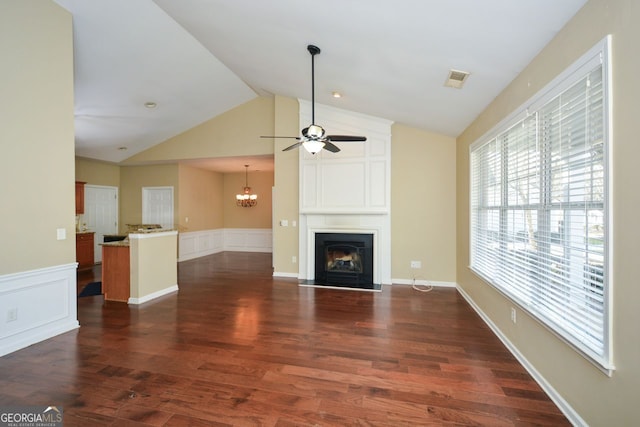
[[539, 206]]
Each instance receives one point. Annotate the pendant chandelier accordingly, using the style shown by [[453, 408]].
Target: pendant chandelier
[[246, 199]]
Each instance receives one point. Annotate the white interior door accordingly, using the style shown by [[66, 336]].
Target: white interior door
[[100, 214], [157, 206]]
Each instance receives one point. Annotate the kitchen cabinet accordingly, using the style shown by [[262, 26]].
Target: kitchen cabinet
[[84, 250], [80, 197]]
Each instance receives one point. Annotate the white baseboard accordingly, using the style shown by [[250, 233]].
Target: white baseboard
[[562, 404], [44, 302], [424, 283], [153, 295], [282, 274]]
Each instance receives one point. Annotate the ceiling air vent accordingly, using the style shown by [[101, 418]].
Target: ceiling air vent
[[456, 79]]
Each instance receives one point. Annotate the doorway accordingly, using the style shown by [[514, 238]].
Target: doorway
[[100, 214], [157, 206]]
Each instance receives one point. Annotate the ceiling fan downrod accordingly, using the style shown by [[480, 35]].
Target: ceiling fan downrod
[[313, 50]]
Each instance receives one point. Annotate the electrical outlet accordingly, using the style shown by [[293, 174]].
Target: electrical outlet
[[416, 264], [294, 259], [12, 315], [513, 315]]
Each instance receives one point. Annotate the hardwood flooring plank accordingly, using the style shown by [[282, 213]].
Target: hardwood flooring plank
[[237, 347]]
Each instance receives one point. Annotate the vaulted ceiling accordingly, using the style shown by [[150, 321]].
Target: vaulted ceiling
[[196, 59]]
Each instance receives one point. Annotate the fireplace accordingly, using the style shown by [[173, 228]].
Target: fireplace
[[344, 260]]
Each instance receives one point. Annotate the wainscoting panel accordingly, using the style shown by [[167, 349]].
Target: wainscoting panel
[[36, 305], [196, 244], [248, 239]]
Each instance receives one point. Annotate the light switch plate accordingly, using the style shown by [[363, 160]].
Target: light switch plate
[[61, 233]]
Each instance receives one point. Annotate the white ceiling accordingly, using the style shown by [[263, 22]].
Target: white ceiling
[[199, 58]]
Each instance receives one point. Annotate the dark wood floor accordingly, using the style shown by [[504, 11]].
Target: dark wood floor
[[237, 347]]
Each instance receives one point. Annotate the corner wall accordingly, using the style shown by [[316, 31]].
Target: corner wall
[[37, 134], [37, 255], [592, 397]]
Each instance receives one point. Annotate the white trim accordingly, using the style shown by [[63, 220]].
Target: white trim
[[608, 256], [196, 244], [425, 283], [248, 240], [46, 304], [288, 275], [562, 404], [153, 295]]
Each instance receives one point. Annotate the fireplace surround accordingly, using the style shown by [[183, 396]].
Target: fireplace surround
[[347, 193]]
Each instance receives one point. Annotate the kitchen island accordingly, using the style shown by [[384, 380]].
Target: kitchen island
[[140, 268]]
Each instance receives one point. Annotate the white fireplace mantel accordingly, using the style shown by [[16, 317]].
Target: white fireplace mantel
[[348, 191]]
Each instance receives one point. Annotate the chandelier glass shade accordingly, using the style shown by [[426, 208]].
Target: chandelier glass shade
[[246, 199]]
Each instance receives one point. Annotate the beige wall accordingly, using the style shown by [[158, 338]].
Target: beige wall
[[153, 263], [200, 199], [423, 204], [97, 173], [133, 178], [258, 216], [233, 133], [598, 399], [37, 136], [285, 194]]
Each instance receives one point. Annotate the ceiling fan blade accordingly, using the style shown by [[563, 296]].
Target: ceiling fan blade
[[352, 138], [330, 147], [291, 147], [292, 137]]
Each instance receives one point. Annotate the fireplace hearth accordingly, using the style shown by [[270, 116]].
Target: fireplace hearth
[[344, 260]]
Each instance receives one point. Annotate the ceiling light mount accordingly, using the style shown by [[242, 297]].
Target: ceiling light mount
[[150, 104]]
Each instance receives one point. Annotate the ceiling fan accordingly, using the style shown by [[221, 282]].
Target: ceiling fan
[[313, 137]]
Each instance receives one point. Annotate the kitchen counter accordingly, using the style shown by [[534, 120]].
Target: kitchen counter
[[125, 241], [140, 268]]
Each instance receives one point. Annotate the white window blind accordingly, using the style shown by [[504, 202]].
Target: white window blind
[[539, 208]]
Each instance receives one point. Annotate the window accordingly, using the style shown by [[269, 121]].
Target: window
[[539, 212]]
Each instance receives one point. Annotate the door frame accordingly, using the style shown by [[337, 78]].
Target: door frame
[[145, 207], [97, 254]]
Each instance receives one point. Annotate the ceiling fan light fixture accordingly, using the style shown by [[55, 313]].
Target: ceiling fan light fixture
[[313, 146], [313, 137], [315, 132]]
